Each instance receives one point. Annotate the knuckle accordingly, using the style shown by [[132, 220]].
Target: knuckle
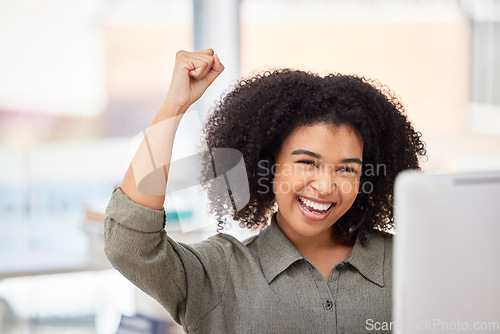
[[205, 52], [180, 53], [206, 59]]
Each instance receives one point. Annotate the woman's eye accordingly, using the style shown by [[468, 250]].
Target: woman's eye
[[348, 170], [307, 162]]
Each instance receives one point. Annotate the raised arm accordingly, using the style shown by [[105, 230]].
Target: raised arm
[[193, 73], [135, 240]]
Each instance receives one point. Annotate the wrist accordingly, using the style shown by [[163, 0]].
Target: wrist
[[169, 110], [177, 102]]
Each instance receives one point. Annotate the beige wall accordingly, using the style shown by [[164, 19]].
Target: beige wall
[[140, 59], [426, 64]]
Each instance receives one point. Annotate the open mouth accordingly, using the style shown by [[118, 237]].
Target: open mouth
[[313, 207]]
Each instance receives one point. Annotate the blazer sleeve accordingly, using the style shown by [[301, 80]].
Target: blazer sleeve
[[188, 280]]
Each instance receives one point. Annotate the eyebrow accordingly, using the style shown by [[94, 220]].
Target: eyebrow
[[317, 156], [352, 160], [307, 152]]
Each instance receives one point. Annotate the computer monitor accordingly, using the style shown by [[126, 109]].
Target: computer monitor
[[447, 253]]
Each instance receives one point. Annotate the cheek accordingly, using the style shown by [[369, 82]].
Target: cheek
[[283, 187], [349, 191]]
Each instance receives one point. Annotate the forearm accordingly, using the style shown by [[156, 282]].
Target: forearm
[[146, 178], [145, 181]]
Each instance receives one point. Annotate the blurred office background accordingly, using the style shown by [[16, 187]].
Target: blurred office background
[[80, 79]]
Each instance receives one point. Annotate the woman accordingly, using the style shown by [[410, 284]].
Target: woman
[[321, 156]]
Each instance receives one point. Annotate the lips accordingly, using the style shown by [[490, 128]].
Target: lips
[[314, 210]]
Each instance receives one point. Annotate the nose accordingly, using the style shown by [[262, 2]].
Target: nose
[[324, 183]]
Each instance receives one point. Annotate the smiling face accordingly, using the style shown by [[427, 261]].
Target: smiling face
[[316, 179]]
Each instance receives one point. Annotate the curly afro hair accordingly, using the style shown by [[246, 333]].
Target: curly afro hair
[[260, 112]]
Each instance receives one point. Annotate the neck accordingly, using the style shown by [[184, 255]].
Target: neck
[[308, 245]]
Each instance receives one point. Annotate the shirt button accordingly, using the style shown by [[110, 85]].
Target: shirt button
[[340, 266], [328, 305]]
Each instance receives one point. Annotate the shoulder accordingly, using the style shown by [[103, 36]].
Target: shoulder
[[251, 242], [375, 234], [380, 243], [385, 238], [224, 245]]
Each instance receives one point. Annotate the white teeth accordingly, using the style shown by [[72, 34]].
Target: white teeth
[[315, 205]]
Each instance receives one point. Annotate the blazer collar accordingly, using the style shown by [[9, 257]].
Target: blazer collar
[[369, 259], [276, 252]]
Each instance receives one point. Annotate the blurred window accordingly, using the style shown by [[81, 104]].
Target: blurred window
[[420, 49]]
